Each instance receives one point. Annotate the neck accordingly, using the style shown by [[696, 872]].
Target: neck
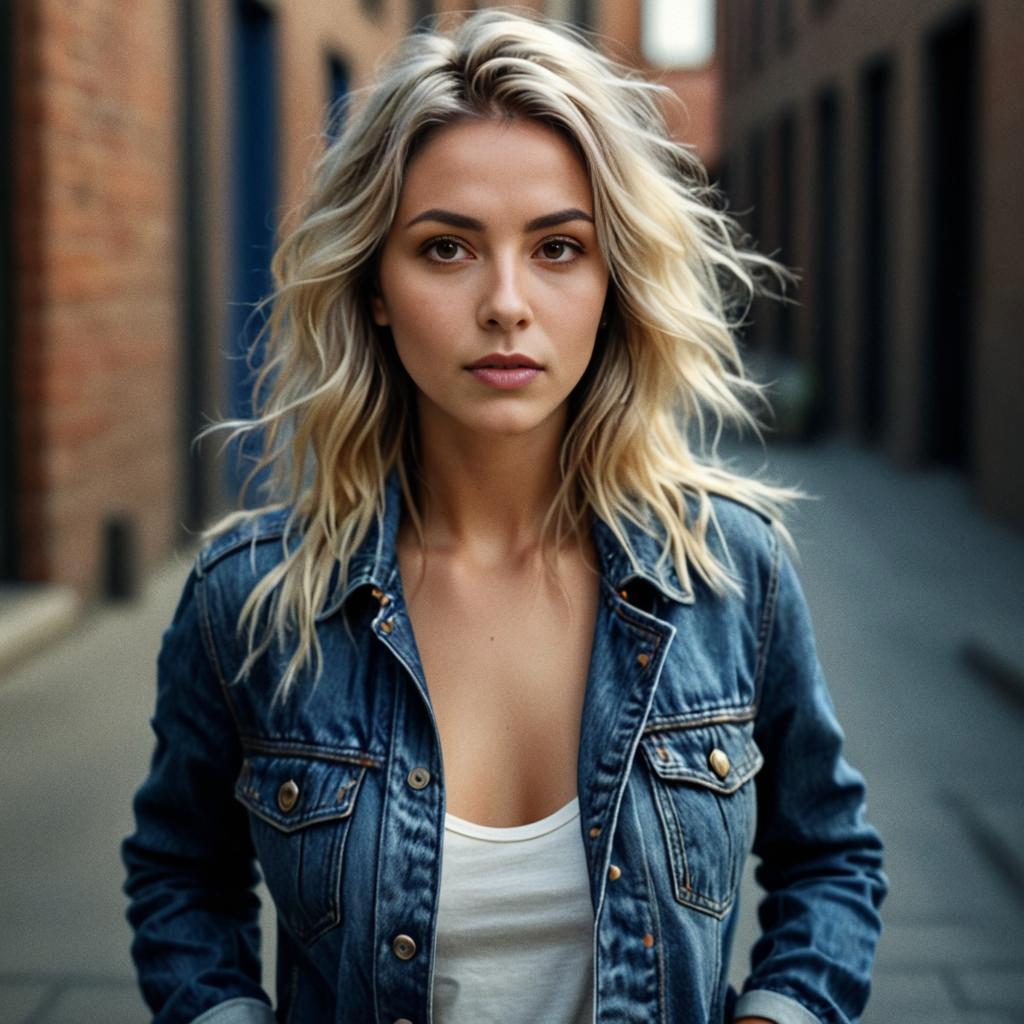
[[485, 496]]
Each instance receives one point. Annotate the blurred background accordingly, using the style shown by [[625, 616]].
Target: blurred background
[[149, 152]]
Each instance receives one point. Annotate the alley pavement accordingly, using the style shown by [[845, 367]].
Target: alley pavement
[[918, 605]]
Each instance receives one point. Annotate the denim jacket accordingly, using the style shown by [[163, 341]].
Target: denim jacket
[[707, 732]]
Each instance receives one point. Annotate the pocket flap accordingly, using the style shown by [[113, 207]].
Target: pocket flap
[[721, 756], [291, 792]]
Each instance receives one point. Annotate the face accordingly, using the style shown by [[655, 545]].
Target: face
[[493, 253]]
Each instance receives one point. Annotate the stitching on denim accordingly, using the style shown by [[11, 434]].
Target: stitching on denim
[[206, 633], [636, 624], [315, 751], [676, 843], [767, 617], [258, 531], [655, 916], [693, 719], [745, 771], [385, 810], [251, 799]]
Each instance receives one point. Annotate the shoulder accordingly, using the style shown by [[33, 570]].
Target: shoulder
[[742, 535], [247, 550]]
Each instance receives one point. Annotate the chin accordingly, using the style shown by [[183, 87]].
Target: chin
[[508, 425]]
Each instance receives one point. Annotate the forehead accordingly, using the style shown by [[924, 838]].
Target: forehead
[[489, 162]]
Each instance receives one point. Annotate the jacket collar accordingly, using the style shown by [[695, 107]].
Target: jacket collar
[[375, 561]]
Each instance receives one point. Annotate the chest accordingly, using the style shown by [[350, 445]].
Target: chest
[[506, 657]]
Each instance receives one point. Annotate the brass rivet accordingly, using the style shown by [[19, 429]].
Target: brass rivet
[[648, 940], [385, 600], [624, 594], [719, 762], [663, 754], [404, 947], [595, 831], [418, 778], [387, 625], [288, 795], [643, 659], [378, 594], [614, 871]]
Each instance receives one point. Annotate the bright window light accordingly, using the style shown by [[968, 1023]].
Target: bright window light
[[678, 33]]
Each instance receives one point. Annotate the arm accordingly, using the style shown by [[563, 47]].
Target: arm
[[190, 862], [820, 861]]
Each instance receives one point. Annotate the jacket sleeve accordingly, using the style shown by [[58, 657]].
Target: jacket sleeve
[[820, 861], [190, 862]]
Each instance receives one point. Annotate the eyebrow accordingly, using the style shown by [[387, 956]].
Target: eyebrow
[[459, 220]]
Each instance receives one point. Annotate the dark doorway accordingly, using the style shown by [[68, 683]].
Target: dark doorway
[[254, 187], [876, 90], [951, 170], [338, 79], [826, 249], [422, 11], [9, 567], [786, 161], [754, 336], [194, 269]]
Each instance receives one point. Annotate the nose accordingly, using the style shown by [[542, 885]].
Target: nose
[[504, 304]]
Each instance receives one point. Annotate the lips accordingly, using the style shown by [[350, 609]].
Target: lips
[[501, 361]]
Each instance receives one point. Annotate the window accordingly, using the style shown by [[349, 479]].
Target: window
[[678, 33], [338, 93]]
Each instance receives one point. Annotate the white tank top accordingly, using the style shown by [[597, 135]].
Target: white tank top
[[515, 923]]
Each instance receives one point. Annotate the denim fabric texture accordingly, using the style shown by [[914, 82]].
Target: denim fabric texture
[[338, 796]]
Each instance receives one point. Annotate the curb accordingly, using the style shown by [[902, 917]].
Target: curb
[[33, 616]]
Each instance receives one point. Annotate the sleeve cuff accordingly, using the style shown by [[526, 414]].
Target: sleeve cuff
[[242, 1010], [773, 1006]]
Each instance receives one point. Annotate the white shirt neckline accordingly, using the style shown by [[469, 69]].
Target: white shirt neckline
[[514, 833]]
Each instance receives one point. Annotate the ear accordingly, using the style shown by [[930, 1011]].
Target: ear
[[380, 313]]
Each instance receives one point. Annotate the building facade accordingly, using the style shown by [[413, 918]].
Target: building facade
[[877, 148], [150, 153]]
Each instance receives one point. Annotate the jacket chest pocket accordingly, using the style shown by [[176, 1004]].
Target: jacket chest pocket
[[701, 778], [300, 809]]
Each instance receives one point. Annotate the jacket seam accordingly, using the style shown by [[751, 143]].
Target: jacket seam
[[676, 723], [211, 650], [286, 748], [767, 619]]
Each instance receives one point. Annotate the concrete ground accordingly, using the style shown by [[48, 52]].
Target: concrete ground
[[903, 574]]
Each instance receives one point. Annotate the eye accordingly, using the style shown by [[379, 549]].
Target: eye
[[565, 245], [444, 246]]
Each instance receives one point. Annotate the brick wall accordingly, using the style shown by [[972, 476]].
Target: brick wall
[[98, 339]]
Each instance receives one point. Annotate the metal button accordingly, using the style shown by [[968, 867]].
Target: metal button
[[288, 795], [614, 871], [595, 831], [379, 595], [624, 594], [418, 778], [719, 762], [387, 625], [648, 940], [404, 947], [642, 659], [663, 754]]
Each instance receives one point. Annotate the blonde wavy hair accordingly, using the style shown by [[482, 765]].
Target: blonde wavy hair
[[334, 407]]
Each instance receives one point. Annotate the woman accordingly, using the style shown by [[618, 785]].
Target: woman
[[491, 528]]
